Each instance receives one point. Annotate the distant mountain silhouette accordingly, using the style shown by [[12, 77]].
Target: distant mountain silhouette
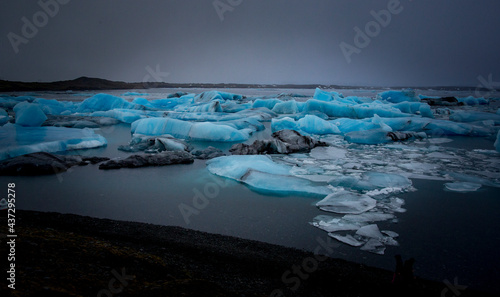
[[89, 83]]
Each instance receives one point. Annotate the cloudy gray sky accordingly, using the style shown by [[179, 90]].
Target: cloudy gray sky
[[425, 42]]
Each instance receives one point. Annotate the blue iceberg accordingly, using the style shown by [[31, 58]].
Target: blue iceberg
[[204, 131], [29, 115]]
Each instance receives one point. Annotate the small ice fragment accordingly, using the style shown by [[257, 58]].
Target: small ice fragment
[[462, 186], [348, 239], [390, 233], [331, 224], [328, 153], [370, 231], [374, 246], [347, 202]]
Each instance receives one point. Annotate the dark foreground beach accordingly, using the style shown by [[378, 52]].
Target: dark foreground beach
[[70, 255]]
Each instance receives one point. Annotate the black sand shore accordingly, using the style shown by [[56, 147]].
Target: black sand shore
[[70, 255]]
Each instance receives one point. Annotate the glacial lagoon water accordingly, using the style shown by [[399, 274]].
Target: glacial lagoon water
[[450, 234]]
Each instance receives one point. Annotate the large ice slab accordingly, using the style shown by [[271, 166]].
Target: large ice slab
[[204, 131], [16, 140], [265, 176], [236, 166]]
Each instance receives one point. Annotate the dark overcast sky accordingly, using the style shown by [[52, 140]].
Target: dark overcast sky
[[430, 42]]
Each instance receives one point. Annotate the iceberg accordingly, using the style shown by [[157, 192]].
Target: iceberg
[[474, 116], [142, 101], [204, 131], [314, 125], [263, 175], [345, 202], [287, 107], [398, 96], [17, 140], [216, 95], [309, 124], [359, 111], [104, 102], [267, 103], [50, 106], [236, 166], [326, 96], [29, 115], [283, 184]]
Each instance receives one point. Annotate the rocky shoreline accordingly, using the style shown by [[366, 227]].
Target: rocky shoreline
[[70, 255]]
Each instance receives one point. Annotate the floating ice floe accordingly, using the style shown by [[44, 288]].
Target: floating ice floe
[[16, 140], [462, 186], [262, 174]]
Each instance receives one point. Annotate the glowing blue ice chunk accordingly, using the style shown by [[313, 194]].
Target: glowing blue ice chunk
[[415, 108], [398, 96], [104, 102], [268, 103], [135, 94], [474, 116], [236, 166], [283, 184], [326, 96], [287, 107], [50, 106], [212, 132], [142, 101], [204, 131], [29, 115], [17, 140], [314, 125], [359, 111], [216, 95], [473, 101]]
